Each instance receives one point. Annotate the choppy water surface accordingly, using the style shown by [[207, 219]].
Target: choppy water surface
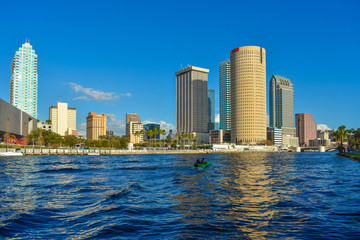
[[240, 196]]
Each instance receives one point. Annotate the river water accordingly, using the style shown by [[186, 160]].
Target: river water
[[239, 196]]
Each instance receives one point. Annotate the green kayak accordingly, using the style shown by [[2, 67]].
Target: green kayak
[[202, 164]]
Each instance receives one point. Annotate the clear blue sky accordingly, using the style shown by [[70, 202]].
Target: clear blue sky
[[117, 57]]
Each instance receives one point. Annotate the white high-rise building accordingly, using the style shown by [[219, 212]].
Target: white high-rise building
[[24, 80], [63, 119]]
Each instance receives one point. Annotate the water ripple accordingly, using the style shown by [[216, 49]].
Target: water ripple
[[240, 196]]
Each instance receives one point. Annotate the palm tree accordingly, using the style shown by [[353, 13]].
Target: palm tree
[[182, 137], [137, 134], [351, 137], [163, 133], [341, 134], [178, 136], [156, 132], [196, 138], [150, 133], [357, 138]]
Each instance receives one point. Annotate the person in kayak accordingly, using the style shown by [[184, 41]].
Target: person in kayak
[[198, 161], [203, 161]]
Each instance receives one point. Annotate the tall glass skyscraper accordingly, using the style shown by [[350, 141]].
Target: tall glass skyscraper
[[211, 108], [225, 95], [192, 100], [281, 104], [24, 80]]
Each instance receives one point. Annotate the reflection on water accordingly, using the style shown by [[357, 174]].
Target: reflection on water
[[243, 193], [247, 195], [248, 184]]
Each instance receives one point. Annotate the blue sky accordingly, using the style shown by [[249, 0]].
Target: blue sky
[[117, 57]]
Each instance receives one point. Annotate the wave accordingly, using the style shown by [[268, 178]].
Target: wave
[[143, 168], [62, 170]]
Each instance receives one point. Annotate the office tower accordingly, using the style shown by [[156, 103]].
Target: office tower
[[133, 125], [132, 117], [134, 128], [225, 95], [281, 104], [248, 95], [306, 128], [95, 126], [109, 132], [151, 126], [24, 80], [274, 134], [211, 109], [192, 101], [63, 119]]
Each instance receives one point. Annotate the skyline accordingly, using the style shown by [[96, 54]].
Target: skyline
[[105, 62]]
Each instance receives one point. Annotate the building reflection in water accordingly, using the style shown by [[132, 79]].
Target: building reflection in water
[[241, 200]]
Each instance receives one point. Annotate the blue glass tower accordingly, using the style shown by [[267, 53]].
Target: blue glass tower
[[24, 80], [225, 95]]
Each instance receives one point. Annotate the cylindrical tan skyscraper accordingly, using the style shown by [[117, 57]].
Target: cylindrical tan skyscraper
[[248, 95]]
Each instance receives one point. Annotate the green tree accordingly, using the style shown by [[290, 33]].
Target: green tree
[[70, 140], [124, 142], [150, 134], [163, 133], [341, 136], [34, 136]]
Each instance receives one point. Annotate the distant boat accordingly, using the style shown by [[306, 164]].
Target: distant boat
[[10, 154], [93, 153]]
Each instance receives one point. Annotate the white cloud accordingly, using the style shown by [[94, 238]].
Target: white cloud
[[217, 118], [115, 124], [81, 98], [167, 127], [96, 94], [323, 127], [125, 94]]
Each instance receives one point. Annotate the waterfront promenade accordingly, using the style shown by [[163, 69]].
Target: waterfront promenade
[[67, 151]]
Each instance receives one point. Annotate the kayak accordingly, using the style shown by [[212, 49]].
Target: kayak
[[202, 164]]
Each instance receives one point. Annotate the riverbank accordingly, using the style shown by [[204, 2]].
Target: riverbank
[[64, 151], [355, 156]]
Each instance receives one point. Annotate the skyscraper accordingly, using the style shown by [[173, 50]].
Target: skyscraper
[[248, 95], [133, 125], [24, 80], [95, 126], [192, 101], [281, 104], [132, 117], [63, 119], [211, 109], [306, 128], [225, 95]]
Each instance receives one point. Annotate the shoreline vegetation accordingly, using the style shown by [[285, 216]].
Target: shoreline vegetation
[[43, 142], [69, 151], [354, 156]]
